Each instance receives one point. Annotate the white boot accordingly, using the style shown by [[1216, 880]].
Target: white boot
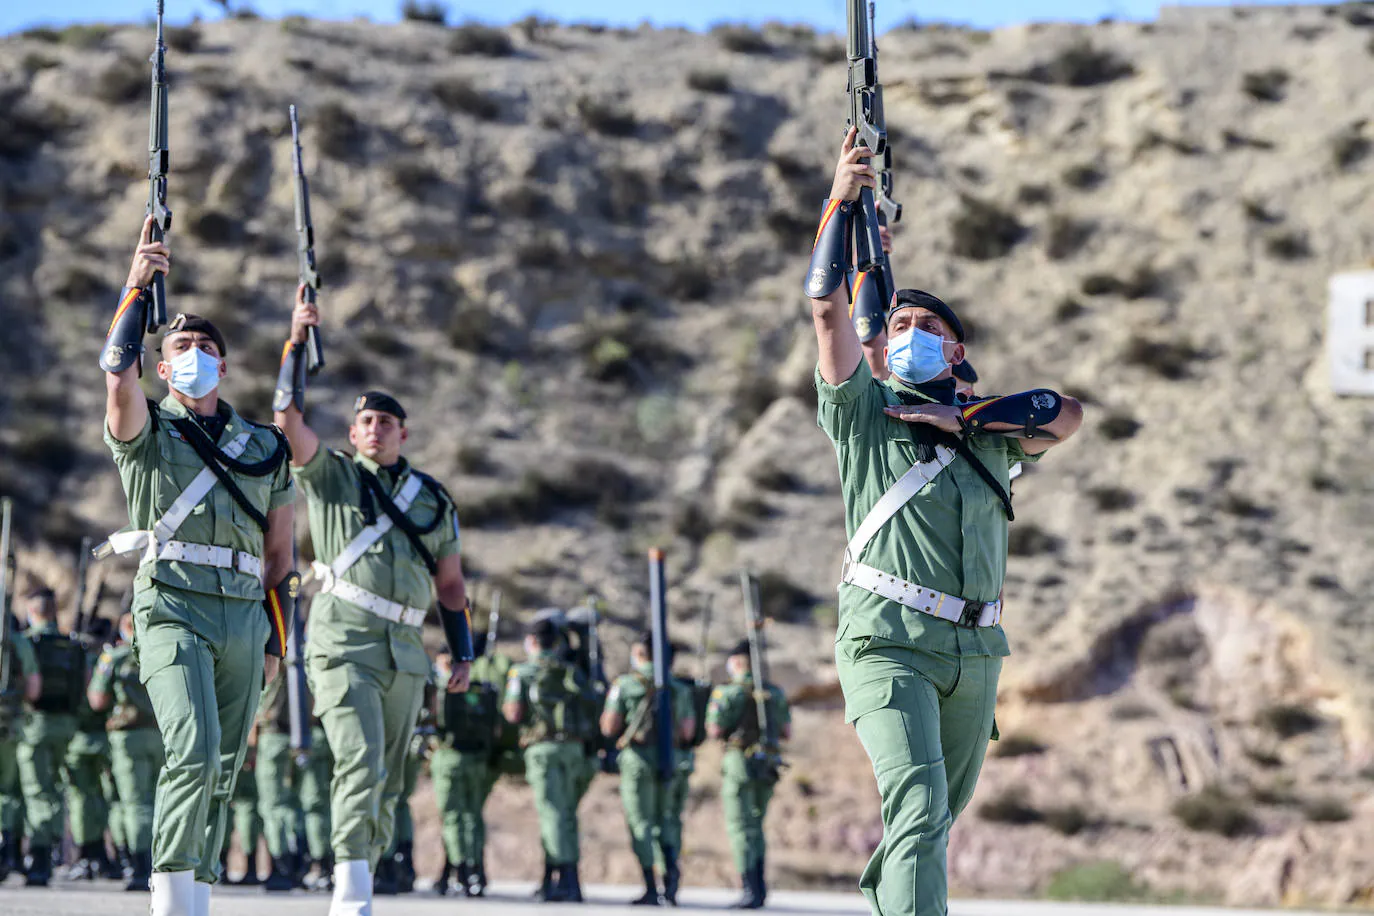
[[202, 899], [352, 889], [173, 893]]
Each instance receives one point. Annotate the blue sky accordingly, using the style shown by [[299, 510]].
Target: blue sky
[[825, 14]]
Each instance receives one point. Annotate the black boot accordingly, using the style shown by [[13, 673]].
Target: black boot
[[556, 891], [126, 864], [40, 867], [672, 876], [384, 882], [281, 878], [547, 889], [477, 880], [87, 865], [650, 895], [750, 898], [110, 869], [572, 882], [324, 875], [405, 868], [8, 850], [441, 883], [142, 871]]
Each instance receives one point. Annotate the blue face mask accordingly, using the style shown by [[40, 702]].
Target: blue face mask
[[916, 356], [195, 373]]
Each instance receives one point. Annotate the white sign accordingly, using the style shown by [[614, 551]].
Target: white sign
[[1350, 332]]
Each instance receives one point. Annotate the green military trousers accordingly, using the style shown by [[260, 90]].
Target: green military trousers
[[925, 719], [675, 803], [405, 818], [462, 782], [243, 809], [369, 716], [552, 769], [118, 815], [314, 793], [11, 794], [136, 758], [746, 804], [646, 803], [87, 808], [278, 786], [42, 749], [201, 659]]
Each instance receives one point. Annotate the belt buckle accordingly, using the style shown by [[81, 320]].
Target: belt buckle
[[972, 613]]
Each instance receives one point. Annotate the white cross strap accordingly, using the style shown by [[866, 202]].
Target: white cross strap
[[891, 502], [152, 541], [370, 535]]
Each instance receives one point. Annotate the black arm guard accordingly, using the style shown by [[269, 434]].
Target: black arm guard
[[1029, 410], [868, 308], [290, 379], [280, 605], [830, 256], [124, 342], [458, 632]]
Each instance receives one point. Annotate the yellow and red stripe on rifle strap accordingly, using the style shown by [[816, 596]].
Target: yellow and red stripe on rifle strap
[[830, 209], [854, 296], [278, 619], [124, 304], [285, 351]]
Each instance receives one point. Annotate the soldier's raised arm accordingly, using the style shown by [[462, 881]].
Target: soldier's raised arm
[[288, 404], [826, 278], [126, 407]]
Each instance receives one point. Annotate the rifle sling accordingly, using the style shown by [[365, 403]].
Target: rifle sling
[[209, 453], [372, 487]]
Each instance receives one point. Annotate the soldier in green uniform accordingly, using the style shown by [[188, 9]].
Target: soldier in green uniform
[[247, 819], [747, 775], [629, 719], [924, 481], [462, 765], [135, 748], [210, 510], [50, 727], [24, 684], [386, 542], [543, 695], [87, 761]]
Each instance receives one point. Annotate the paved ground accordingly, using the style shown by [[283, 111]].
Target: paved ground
[[513, 900]]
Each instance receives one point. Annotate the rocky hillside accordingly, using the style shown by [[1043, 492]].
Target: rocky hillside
[[575, 253]]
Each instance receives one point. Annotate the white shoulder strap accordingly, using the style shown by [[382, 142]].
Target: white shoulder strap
[[370, 535], [179, 511], [891, 502]]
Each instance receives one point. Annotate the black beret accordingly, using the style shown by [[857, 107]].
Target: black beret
[[740, 648], [964, 372], [915, 298], [379, 400], [184, 322], [542, 628]]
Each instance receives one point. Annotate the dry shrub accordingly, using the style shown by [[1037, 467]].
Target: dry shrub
[[475, 38], [982, 231], [458, 94], [1266, 85], [742, 39]]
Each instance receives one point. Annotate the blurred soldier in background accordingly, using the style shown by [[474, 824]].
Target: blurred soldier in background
[[86, 763], [24, 684]]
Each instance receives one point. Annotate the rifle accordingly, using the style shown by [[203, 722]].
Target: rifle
[[888, 209], [305, 250], [83, 562], [493, 622], [157, 172], [863, 83], [663, 684], [297, 691], [765, 755], [6, 511]]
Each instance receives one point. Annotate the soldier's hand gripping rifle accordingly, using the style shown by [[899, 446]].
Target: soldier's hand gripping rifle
[[295, 366], [157, 173]]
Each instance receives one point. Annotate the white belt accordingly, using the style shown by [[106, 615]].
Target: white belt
[[185, 552], [385, 608], [922, 599]]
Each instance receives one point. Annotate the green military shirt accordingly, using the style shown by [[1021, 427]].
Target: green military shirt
[[27, 661], [116, 673], [729, 703], [630, 691], [521, 679], [951, 536], [390, 568], [23, 664], [156, 466]]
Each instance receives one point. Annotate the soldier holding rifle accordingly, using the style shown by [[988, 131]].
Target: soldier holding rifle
[[924, 481]]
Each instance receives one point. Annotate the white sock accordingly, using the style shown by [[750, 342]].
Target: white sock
[[173, 894], [352, 889]]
